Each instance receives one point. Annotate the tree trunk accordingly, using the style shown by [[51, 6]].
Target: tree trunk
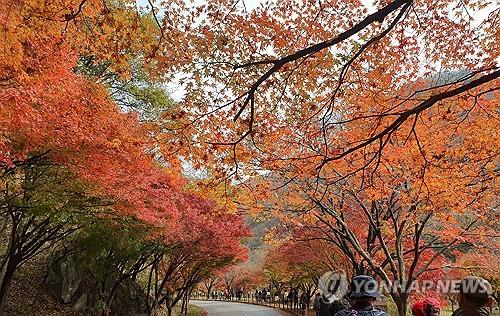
[[187, 295], [5, 282], [111, 294], [9, 263], [184, 306], [401, 303]]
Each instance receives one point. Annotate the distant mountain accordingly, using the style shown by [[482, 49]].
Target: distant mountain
[[256, 245]]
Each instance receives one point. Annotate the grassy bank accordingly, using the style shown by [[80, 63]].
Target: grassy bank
[[192, 311]]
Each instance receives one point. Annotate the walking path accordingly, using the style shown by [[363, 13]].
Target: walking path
[[222, 308]]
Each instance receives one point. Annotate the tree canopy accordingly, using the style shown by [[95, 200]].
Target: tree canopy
[[368, 128]]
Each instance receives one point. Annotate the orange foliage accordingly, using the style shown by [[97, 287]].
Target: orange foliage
[[47, 109]]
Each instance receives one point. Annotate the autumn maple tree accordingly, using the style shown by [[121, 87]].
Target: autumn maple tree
[[355, 116], [413, 214], [249, 88], [345, 116], [70, 157], [208, 243], [299, 262]]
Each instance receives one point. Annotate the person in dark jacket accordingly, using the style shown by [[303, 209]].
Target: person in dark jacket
[[303, 301], [317, 304], [289, 301], [295, 298], [324, 308], [474, 297], [363, 295], [338, 305], [330, 309]]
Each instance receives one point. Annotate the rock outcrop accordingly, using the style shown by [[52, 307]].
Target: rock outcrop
[[70, 281]]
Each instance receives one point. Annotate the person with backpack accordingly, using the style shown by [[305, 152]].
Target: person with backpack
[[330, 309], [363, 295], [427, 307], [337, 306]]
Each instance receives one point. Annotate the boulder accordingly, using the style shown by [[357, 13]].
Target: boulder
[[64, 278], [70, 281]]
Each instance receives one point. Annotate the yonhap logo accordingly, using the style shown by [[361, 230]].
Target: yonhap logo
[[333, 285]]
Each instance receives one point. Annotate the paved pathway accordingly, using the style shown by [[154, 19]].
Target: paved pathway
[[221, 308]]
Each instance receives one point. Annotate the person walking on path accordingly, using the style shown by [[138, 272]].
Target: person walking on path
[[474, 297], [295, 298], [317, 303], [290, 299], [303, 301], [363, 295]]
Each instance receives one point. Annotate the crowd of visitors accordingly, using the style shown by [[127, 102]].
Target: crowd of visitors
[[229, 295], [288, 298], [474, 299]]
